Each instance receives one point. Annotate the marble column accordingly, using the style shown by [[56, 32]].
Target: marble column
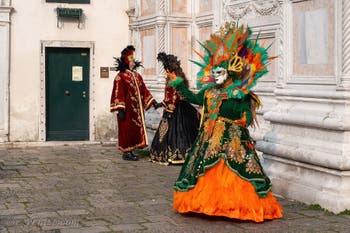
[[5, 12], [345, 76]]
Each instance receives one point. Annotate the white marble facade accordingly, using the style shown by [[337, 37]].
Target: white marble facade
[[306, 144], [167, 26], [305, 121]]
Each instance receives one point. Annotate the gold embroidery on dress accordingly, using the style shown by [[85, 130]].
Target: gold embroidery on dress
[[218, 132], [235, 149], [169, 156], [215, 142], [163, 129], [252, 166], [176, 156]]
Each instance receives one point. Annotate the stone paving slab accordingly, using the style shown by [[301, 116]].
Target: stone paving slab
[[89, 188]]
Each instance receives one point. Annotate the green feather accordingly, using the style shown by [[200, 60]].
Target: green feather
[[230, 41], [205, 48], [212, 45], [256, 40], [198, 63]]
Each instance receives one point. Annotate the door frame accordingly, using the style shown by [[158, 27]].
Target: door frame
[[66, 44]]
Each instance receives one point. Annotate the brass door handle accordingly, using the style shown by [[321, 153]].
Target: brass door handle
[[67, 92]]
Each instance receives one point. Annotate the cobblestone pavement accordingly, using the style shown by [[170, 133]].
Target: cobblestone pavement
[[89, 188]]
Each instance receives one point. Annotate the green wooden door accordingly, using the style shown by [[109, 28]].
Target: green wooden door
[[67, 94]]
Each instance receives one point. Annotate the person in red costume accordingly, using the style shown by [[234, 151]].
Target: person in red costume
[[130, 98]]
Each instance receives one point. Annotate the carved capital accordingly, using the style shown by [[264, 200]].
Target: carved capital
[[131, 14]]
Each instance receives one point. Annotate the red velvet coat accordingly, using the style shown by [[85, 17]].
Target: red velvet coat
[[171, 97], [131, 95]]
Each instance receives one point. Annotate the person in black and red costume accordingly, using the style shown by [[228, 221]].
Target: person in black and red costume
[[179, 125], [130, 98]]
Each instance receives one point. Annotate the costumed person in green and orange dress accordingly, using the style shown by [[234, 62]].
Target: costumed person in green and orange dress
[[130, 97], [222, 174], [178, 127]]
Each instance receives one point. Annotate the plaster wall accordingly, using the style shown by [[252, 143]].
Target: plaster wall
[[104, 25]]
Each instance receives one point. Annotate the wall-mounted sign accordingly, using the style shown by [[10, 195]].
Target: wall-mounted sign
[[104, 72], [77, 73]]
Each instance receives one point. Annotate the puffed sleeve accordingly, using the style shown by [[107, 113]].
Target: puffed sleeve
[[171, 97], [180, 87]]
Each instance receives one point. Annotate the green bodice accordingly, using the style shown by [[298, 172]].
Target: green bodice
[[220, 136]]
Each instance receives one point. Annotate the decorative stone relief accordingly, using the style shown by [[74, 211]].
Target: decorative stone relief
[[234, 10]]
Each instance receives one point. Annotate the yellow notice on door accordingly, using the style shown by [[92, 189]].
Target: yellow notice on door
[[77, 73]]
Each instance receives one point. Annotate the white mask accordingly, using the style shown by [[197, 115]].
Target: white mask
[[219, 74]]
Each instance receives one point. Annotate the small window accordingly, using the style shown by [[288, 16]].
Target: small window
[[70, 1]]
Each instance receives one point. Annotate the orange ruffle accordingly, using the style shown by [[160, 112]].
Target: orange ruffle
[[221, 192]]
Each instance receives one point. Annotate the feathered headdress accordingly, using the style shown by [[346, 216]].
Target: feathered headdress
[[172, 64], [122, 62], [231, 48]]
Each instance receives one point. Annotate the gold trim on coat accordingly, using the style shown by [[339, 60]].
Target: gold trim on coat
[[141, 106]]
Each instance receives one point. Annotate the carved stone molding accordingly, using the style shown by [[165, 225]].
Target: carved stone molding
[[4, 2], [131, 13], [241, 9], [204, 20]]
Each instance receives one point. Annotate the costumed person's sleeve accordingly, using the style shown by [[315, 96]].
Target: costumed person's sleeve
[[147, 98], [171, 97], [118, 94], [179, 85], [246, 113]]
